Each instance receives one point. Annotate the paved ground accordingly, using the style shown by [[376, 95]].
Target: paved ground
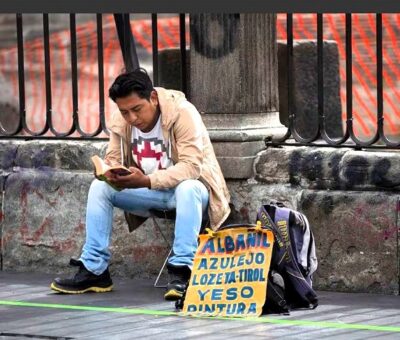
[[28, 309]]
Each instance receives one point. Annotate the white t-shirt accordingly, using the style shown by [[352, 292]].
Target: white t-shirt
[[149, 149]]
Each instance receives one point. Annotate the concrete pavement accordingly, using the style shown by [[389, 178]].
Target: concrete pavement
[[29, 309]]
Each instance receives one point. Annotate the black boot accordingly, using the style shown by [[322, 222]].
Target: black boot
[[83, 281], [178, 281]]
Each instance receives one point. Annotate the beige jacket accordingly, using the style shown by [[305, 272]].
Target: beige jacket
[[189, 147]]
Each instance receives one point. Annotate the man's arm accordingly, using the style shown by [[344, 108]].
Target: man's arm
[[113, 154]]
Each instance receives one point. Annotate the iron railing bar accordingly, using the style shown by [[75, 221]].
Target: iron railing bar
[[291, 114], [154, 41], [349, 86], [101, 111], [349, 76], [49, 112], [289, 66], [100, 65], [289, 55], [379, 68], [72, 129], [74, 80], [47, 70], [74, 74], [126, 41], [182, 32], [21, 71], [74, 68], [320, 74], [21, 81], [21, 75], [379, 78], [320, 66]]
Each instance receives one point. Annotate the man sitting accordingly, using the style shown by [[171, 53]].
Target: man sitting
[[160, 136]]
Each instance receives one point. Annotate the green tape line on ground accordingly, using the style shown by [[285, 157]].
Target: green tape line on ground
[[88, 308], [287, 322]]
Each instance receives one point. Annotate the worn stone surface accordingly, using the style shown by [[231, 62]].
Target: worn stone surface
[[239, 128], [236, 167], [303, 166], [238, 149], [305, 87], [69, 155], [372, 170], [43, 219], [238, 49], [169, 63], [1, 221], [237, 159], [356, 240], [248, 196], [44, 226], [330, 168], [8, 151]]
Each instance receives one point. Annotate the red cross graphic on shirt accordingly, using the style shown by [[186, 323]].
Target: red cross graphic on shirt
[[146, 151]]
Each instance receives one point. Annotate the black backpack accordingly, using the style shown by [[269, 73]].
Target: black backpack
[[293, 259]]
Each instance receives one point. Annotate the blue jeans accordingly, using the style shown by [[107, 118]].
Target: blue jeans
[[189, 198]]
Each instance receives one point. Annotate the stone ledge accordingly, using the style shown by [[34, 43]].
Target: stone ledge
[[329, 168], [236, 159], [56, 154]]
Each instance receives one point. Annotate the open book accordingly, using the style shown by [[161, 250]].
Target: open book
[[103, 170]]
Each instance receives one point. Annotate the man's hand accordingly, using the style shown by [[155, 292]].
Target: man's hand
[[94, 171], [136, 180]]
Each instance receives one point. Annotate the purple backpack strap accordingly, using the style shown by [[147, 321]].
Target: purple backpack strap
[[282, 214]]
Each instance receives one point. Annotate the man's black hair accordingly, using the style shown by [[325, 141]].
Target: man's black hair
[[137, 81]]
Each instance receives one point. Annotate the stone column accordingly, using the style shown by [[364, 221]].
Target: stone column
[[234, 83]]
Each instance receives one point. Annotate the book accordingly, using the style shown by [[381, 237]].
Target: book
[[104, 171]]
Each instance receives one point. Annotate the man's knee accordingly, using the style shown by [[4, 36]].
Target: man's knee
[[189, 187], [99, 188]]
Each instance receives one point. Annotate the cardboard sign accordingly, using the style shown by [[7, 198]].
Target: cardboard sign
[[230, 271]]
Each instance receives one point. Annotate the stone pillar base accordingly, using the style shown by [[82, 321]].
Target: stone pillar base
[[237, 138]]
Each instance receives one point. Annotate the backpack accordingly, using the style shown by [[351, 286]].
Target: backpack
[[293, 261]]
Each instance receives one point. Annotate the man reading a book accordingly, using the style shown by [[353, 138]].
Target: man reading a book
[[161, 138]]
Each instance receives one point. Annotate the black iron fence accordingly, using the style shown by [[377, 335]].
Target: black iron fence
[[320, 136], [123, 24], [130, 60]]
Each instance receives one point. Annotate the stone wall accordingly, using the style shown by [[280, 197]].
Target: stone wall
[[351, 199], [45, 186]]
